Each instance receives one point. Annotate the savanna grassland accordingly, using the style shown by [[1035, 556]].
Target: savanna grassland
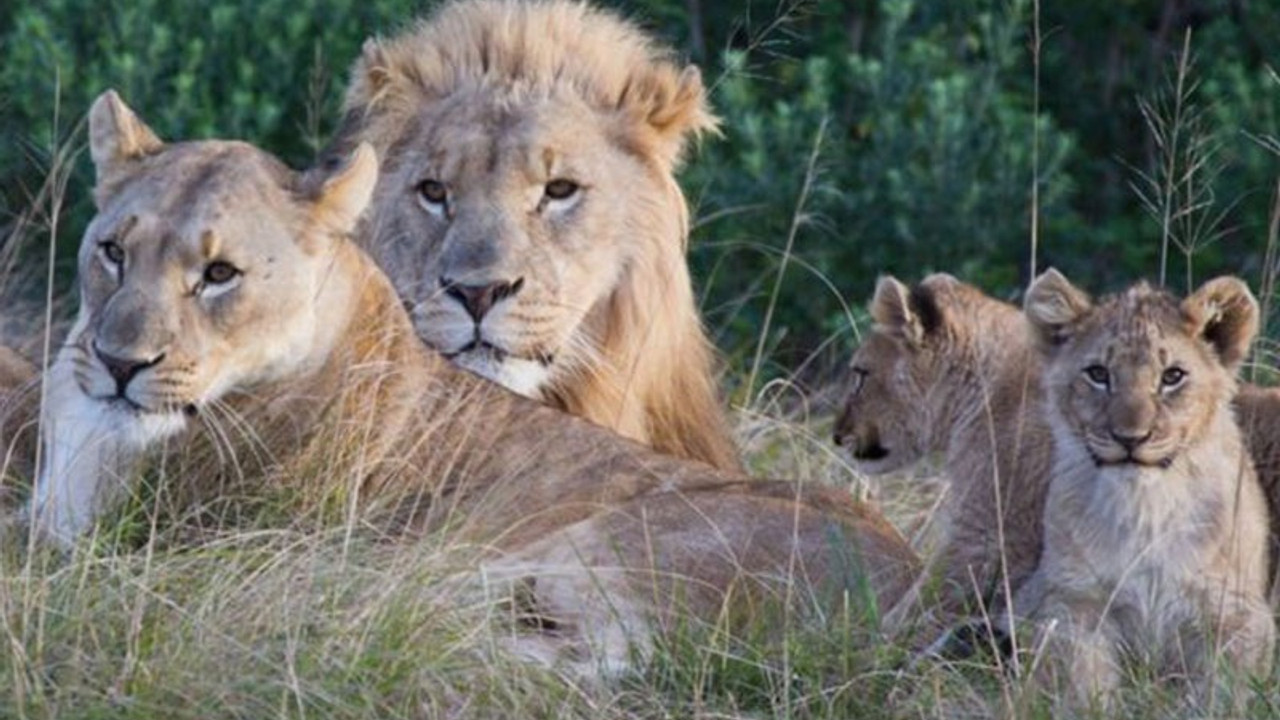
[[1114, 140]]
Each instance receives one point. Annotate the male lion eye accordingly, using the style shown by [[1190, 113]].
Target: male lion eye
[[1098, 375], [560, 189], [433, 191], [112, 251], [1172, 377], [220, 273]]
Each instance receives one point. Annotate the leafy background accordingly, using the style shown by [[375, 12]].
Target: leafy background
[[860, 136]]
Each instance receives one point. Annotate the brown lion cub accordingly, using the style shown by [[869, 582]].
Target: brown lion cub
[[1155, 527], [951, 371]]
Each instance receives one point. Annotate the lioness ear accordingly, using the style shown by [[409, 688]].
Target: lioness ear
[[909, 314], [343, 195], [1053, 306], [117, 138], [1224, 313], [672, 105]]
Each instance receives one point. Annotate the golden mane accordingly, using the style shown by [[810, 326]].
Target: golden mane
[[655, 376]]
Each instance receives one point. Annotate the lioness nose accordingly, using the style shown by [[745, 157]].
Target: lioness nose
[[122, 370], [479, 299]]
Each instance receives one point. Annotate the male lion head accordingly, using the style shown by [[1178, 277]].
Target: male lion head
[[1137, 378], [203, 271], [910, 377], [528, 214]]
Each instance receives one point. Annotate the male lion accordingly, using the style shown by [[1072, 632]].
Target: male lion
[[1155, 527], [948, 370], [216, 283], [529, 215]]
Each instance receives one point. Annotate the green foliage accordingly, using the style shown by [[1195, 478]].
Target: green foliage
[[270, 71]]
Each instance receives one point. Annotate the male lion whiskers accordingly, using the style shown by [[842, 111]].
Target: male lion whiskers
[[1155, 541], [529, 214], [214, 279]]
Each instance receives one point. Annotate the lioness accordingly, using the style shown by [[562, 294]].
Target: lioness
[[948, 370], [216, 283], [1155, 527], [529, 214]]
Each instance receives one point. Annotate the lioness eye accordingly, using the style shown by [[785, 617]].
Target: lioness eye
[[1172, 377], [219, 272], [560, 189], [112, 251], [433, 192], [1098, 375]]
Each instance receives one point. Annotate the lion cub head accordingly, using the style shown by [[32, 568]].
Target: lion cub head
[[203, 271], [528, 212], [915, 372], [1139, 377]]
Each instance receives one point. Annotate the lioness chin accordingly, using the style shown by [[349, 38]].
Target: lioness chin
[[215, 282], [1155, 544]]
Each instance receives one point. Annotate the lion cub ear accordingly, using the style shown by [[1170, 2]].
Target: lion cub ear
[[1223, 313], [117, 140], [1053, 306], [908, 314], [345, 193], [672, 105]]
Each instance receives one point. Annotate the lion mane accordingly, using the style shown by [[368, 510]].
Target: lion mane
[[649, 370]]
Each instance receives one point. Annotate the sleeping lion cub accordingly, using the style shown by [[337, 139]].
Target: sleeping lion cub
[[1155, 528], [220, 292]]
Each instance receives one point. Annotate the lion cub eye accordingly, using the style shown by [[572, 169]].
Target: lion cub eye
[[560, 189], [111, 251], [1098, 376], [433, 194], [1172, 378], [858, 378]]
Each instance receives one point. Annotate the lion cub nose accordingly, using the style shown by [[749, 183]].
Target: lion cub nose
[[122, 370], [1130, 439], [479, 299]]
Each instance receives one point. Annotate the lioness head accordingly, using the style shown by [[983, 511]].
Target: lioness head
[[203, 271], [1138, 377], [527, 210], [905, 376]]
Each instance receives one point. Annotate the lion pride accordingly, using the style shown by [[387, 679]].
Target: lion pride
[[216, 284], [528, 212]]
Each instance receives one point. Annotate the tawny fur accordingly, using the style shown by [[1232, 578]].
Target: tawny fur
[[950, 371], [605, 534], [493, 100], [1155, 526]]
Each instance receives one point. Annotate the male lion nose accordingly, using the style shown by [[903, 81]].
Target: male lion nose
[[1130, 439], [479, 299], [122, 370]]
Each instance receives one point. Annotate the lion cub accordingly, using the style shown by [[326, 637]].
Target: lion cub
[[1155, 527], [950, 371]]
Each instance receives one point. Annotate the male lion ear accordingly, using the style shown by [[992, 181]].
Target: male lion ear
[[1224, 313], [117, 139], [344, 194], [672, 105], [1053, 306]]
